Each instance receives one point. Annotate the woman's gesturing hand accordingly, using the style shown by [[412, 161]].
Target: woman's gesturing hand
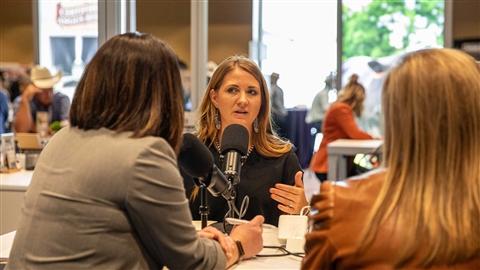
[[291, 199]]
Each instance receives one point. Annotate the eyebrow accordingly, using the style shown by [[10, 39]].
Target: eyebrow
[[236, 85]]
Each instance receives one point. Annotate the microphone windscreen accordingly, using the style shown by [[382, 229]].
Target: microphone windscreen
[[194, 157], [235, 137]]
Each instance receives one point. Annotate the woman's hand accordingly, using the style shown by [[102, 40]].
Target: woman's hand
[[291, 199]]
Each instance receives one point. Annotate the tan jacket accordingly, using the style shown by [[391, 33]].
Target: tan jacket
[[342, 212]]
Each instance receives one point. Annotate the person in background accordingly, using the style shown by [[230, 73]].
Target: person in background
[[37, 99], [339, 123], [319, 107], [320, 104], [279, 113], [106, 192], [4, 109], [422, 210], [2, 84], [186, 84], [15, 78], [271, 175], [211, 66], [5, 106]]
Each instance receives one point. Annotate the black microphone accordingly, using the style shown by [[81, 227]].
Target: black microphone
[[197, 161], [234, 146]]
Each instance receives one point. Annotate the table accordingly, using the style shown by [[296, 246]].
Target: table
[[339, 149], [283, 263], [278, 263], [12, 191], [14, 185], [270, 238]]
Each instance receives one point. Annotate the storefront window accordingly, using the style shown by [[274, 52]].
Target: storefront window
[[67, 35]]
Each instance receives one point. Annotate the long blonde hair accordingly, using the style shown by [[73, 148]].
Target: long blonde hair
[[266, 142], [353, 94], [431, 103]]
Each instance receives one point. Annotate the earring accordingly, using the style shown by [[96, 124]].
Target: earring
[[216, 119], [255, 125]]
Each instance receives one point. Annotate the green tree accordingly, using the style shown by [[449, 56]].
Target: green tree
[[366, 33]]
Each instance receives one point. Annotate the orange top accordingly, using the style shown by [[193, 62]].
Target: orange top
[[339, 123]]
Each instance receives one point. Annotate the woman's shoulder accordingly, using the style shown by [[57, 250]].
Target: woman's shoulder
[[117, 144], [340, 106], [365, 186], [355, 194], [343, 206]]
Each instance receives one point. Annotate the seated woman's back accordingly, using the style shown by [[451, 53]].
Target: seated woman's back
[[343, 210], [78, 198], [423, 211]]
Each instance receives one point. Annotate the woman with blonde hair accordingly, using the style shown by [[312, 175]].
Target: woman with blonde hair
[[339, 123], [422, 210], [270, 175]]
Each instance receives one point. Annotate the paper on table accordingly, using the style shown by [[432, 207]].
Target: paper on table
[[6, 242]]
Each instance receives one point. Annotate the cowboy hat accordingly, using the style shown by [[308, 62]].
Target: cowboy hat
[[42, 78]]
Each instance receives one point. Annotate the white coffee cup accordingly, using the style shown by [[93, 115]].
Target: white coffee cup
[[292, 226]]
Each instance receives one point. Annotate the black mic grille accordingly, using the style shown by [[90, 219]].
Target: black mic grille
[[235, 137], [194, 157]]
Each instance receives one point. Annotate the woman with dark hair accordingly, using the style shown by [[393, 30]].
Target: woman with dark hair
[[271, 176], [106, 192], [339, 123], [422, 210]]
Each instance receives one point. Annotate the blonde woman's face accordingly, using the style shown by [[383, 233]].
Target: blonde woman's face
[[238, 99]]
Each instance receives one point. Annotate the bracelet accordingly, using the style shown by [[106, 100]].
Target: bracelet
[[241, 251]]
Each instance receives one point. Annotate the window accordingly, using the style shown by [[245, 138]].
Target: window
[[67, 38], [300, 43], [376, 34]]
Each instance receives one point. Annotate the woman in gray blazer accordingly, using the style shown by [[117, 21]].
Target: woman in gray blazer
[[106, 192]]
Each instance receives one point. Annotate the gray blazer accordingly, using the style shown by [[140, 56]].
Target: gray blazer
[[103, 200]]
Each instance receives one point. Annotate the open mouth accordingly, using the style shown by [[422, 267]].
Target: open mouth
[[241, 112]]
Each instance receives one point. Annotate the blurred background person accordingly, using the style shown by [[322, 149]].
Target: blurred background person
[[15, 78], [422, 211], [279, 113], [211, 66], [106, 192], [271, 175], [38, 99], [319, 107], [186, 84], [371, 73], [6, 109], [339, 123]]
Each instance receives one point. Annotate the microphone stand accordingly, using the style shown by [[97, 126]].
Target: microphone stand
[[203, 205]]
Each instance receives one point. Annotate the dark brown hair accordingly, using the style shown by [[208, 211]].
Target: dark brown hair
[[131, 84]]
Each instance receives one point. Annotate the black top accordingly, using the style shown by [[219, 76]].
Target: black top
[[257, 176]]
